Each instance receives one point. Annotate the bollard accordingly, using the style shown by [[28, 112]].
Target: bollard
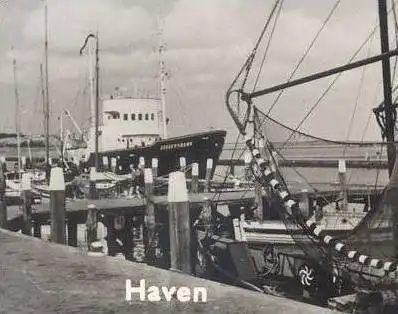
[[150, 220], [72, 232], [343, 184], [155, 165], [57, 205], [105, 163], [247, 159], [183, 164], [26, 196], [113, 164], [91, 225], [179, 223], [3, 204], [195, 178], [209, 168]]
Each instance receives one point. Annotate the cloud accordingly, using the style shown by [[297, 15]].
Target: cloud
[[207, 42], [70, 22]]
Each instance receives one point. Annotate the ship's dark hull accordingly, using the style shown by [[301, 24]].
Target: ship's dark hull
[[196, 148]]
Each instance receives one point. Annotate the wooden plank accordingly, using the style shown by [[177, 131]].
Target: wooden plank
[[227, 197], [149, 213], [26, 196], [179, 223], [57, 205]]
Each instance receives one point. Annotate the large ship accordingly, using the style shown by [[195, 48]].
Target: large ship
[[132, 128], [135, 127]]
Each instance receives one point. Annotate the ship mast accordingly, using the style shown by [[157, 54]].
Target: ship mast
[[96, 101], [91, 88], [94, 106], [163, 76], [389, 110], [388, 107], [17, 118], [47, 99]]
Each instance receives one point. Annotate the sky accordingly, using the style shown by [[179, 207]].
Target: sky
[[207, 41]]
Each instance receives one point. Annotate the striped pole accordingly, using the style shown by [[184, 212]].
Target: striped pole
[[179, 222], [316, 231], [57, 205], [343, 184]]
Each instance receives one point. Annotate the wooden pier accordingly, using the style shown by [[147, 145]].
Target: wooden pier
[[165, 216]]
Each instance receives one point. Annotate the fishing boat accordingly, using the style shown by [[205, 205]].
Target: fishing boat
[[338, 241]]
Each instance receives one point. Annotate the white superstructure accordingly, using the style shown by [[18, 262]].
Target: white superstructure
[[129, 122]]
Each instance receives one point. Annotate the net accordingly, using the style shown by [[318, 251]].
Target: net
[[346, 229]]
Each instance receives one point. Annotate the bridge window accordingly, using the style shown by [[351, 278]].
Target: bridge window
[[146, 116], [113, 115], [140, 116], [133, 116], [152, 116], [125, 117]]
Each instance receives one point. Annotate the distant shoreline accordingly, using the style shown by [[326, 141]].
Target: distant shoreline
[[37, 141]]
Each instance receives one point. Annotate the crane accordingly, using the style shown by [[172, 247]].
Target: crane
[[68, 113]]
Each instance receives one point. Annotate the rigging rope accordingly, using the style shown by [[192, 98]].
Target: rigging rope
[[362, 78], [247, 65], [228, 169], [268, 45], [267, 176], [306, 53], [324, 93]]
